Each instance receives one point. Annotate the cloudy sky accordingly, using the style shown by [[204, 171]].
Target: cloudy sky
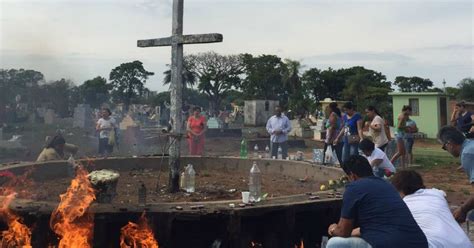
[[81, 39]]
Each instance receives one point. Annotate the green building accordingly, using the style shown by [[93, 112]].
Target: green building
[[430, 110]]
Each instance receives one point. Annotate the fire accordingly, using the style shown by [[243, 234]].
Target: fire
[[137, 235], [71, 221], [301, 245], [18, 234]]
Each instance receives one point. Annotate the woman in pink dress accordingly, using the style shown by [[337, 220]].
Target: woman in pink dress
[[196, 128]]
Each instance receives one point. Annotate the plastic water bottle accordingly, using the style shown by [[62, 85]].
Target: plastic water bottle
[[280, 153], [191, 178], [182, 180], [267, 152], [255, 183], [71, 166], [255, 151], [243, 148]]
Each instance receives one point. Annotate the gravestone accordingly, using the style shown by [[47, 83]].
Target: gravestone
[[127, 122], [257, 112], [83, 116], [49, 117], [300, 128], [213, 123], [1, 133]]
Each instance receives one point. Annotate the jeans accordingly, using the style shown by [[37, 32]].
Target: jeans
[[349, 150], [351, 242], [104, 147], [284, 149]]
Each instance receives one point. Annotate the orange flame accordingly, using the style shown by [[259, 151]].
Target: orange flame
[[71, 221], [138, 235], [18, 234], [301, 245]]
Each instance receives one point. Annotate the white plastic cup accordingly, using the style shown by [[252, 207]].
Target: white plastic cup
[[245, 196]]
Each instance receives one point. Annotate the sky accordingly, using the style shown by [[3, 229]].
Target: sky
[[82, 39]]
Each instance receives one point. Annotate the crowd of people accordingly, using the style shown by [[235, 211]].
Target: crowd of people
[[405, 213], [382, 207]]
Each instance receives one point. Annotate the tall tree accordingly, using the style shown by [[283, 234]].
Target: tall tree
[[298, 99], [95, 91], [265, 78], [413, 84], [324, 84], [189, 78], [21, 82], [466, 89], [217, 74], [128, 81], [57, 96], [367, 87]]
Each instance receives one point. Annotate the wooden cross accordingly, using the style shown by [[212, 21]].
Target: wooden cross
[[176, 41]]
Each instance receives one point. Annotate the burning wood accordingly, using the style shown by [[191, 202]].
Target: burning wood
[[18, 234], [71, 221], [139, 235]]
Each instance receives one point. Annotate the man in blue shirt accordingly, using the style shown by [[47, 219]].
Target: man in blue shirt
[[375, 207], [457, 145], [278, 126]]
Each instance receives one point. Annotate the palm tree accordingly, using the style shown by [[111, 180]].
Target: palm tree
[[189, 78]]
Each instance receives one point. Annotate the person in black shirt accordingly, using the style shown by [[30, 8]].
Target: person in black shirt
[[373, 214], [463, 120]]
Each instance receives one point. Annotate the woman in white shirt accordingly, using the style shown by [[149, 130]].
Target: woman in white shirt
[[431, 211], [106, 126]]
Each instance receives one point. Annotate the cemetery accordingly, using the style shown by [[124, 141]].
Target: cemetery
[[240, 151]]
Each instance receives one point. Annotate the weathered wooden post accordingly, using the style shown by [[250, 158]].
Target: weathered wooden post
[[176, 41]]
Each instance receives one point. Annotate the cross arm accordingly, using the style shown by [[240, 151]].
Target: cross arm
[[183, 39]]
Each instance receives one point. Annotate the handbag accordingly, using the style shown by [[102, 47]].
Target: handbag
[[353, 139]]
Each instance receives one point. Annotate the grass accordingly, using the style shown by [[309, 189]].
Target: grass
[[429, 157]]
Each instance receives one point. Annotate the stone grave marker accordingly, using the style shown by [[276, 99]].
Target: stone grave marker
[[49, 117], [83, 116], [257, 112]]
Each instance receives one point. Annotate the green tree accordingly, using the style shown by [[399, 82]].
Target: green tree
[[324, 84], [21, 82], [466, 89], [452, 91], [57, 96], [367, 87], [298, 97], [95, 91], [160, 98], [128, 81], [413, 84], [217, 74], [265, 78], [189, 78]]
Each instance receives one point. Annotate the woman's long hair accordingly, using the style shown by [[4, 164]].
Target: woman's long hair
[[333, 107]]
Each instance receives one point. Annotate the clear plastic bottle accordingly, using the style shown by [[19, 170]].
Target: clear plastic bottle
[[190, 178], [255, 151], [255, 183], [243, 148], [280, 153], [267, 152], [71, 166]]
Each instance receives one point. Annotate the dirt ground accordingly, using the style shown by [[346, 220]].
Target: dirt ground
[[437, 167], [210, 186]]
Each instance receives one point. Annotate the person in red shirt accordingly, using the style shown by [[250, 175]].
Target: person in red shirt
[[196, 127]]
